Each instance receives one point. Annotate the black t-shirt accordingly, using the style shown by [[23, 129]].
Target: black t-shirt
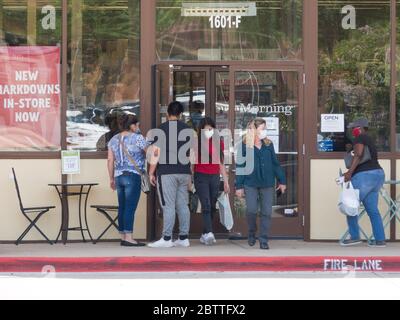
[[373, 164], [174, 159]]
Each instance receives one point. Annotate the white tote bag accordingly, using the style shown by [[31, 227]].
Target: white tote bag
[[225, 211], [349, 203]]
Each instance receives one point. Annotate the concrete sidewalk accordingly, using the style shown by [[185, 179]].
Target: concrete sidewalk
[[224, 248]]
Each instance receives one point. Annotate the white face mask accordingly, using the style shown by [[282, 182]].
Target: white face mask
[[263, 134], [209, 134]]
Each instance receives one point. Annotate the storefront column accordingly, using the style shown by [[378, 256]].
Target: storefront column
[[32, 20], [2, 40], [76, 51], [147, 60], [310, 32], [393, 105]]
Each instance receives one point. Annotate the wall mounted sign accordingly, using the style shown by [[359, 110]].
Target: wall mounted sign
[[71, 162]]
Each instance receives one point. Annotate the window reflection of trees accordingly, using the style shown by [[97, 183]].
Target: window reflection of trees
[[276, 33], [354, 68], [104, 65]]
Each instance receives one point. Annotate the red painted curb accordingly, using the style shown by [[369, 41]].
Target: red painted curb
[[200, 264]]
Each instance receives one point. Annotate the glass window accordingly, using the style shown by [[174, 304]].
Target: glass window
[[190, 90], [104, 69], [229, 30], [221, 107], [354, 71], [30, 36]]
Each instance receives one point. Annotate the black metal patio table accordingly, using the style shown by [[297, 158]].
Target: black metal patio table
[[65, 191]]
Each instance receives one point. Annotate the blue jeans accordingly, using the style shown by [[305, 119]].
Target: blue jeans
[[369, 183], [128, 189]]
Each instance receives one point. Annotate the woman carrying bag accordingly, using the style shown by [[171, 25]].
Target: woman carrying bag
[[126, 163], [367, 176], [207, 175], [260, 184]]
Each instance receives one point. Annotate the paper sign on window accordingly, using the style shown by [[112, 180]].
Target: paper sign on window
[[332, 123]]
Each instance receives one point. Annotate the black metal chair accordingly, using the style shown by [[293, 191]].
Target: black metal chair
[[106, 212], [28, 213]]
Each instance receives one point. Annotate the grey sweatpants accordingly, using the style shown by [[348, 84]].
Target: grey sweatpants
[[173, 194]]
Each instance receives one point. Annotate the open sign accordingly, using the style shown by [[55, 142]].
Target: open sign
[[331, 123]]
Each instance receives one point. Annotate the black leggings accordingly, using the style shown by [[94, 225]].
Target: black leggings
[[207, 189]]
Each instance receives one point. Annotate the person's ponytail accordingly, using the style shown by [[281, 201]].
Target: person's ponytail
[[125, 121], [122, 120]]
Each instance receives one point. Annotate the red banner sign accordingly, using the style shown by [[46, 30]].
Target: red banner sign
[[30, 94]]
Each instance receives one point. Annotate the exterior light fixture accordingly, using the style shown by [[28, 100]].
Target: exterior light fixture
[[242, 9]]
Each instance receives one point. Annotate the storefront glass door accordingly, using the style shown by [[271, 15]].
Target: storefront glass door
[[276, 97], [273, 95]]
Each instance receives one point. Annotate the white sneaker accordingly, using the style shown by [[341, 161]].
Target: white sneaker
[[161, 244], [182, 243], [203, 239], [208, 239]]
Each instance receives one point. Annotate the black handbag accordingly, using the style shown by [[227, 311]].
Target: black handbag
[[348, 159], [193, 202]]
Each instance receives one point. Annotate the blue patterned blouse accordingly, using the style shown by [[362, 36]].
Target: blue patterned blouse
[[135, 144]]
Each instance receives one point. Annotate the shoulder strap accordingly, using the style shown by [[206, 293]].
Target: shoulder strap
[[130, 158]]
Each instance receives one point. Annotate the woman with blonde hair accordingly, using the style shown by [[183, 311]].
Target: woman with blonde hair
[[259, 185]]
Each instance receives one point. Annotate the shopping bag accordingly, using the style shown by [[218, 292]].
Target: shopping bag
[[349, 203], [225, 211], [194, 203]]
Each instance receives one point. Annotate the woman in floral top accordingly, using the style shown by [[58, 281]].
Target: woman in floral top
[[124, 176]]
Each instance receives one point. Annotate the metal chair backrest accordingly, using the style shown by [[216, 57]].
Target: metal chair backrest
[[18, 190]]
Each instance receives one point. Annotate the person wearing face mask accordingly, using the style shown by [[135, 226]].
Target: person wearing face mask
[[368, 177], [196, 114], [260, 184], [207, 172]]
